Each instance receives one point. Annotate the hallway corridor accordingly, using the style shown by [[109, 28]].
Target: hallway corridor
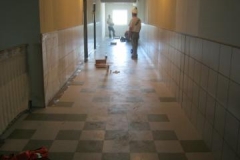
[[124, 114]]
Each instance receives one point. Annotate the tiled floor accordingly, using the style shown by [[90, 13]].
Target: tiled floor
[[129, 115]]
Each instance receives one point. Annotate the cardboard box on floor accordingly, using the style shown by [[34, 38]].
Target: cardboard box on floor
[[102, 63]]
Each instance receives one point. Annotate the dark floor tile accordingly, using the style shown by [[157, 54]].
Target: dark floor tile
[[77, 83], [164, 135], [35, 144], [21, 134], [94, 126], [7, 153], [167, 99], [172, 156], [129, 71], [149, 68], [75, 117], [106, 87], [194, 146], [133, 99], [101, 99], [116, 135], [68, 135], [150, 90], [60, 156], [115, 156], [139, 126], [156, 80], [56, 117], [142, 146], [64, 104], [87, 90], [90, 146], [158, 118], [117, 111]]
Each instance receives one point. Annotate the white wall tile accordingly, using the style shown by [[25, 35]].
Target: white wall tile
[[202, 101], [195, 98], [210, 109], [190, 89], [186, 64], [182, 61], [238, 149], [185, 83], [197, 72], [231, 131], [61, 59], [206, 53], [192, 48], [214, 56], [233, 99], [222, 90], [235, 67], [199, 49], [183, 43], [188, 45], [225, 60], [194, 113], [228, 153], [191, 68], [219, 121], [212, 83], [204, 76], [211, 54], [200, 122], [196, 49], [217, 145], [207, 134]]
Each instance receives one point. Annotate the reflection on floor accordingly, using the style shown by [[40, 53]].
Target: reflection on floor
[[123, 115]]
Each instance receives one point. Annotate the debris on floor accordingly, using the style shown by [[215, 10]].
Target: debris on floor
[[102, 63], [116, 72], [113, 43], [40, 153]]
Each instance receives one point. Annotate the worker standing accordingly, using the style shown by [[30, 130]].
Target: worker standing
[[134, 30], [110, 27]]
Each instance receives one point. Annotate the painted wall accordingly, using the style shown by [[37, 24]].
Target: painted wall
[[60, 14], [215, 20]]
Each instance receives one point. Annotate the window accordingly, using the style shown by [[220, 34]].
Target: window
[[120, 17]]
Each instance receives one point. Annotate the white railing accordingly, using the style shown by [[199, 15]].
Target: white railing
[[14, 85]]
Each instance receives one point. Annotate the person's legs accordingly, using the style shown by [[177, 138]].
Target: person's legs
[[135, 37], [109, 32], [111, 29], [113, 32]]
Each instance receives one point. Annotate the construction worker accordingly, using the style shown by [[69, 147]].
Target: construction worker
[[134, 29], [110, 27]]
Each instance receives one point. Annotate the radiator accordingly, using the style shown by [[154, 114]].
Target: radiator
[[14, 85]]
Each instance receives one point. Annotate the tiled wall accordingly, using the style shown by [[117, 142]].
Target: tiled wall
[[14, 84], [205, 78], [62, 53]]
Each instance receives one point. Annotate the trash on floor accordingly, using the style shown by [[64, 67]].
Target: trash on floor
[[116, 72], [40, 153], [102, 63], [113, 43]]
